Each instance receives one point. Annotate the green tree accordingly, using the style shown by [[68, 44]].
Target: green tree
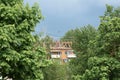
[[105, 65], [112, 11], [46, 42], [82, 38], [20, 59], [56, 71], [69, 36], [109, 35], [109, 31], [102, 68]]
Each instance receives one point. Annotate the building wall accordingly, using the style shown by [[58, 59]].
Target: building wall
[[62, 51]]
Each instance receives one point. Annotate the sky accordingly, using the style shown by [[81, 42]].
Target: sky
[[63, 15]]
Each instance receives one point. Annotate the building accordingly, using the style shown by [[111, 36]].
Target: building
[[62, 51]]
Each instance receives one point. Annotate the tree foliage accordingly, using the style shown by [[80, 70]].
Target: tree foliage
[[98, 51], [69, 36], [57, 71], [112, 11], [105, 65], [47, 41], [20, 59], [81, 37]]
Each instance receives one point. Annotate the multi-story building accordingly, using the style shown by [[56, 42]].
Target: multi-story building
[[62, 51]]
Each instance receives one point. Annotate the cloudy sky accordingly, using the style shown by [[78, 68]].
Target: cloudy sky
[[63, 15]]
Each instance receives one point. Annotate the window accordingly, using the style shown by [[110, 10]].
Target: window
[[59, 53]]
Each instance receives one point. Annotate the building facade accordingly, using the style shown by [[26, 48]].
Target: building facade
[[62, 51]]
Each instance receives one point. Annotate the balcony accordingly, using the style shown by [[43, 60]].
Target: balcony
[[55, 56], [71, 55]]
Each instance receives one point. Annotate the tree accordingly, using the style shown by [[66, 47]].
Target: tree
[[20, 59], [105, 65], [80, 37], [109, 30], [69, 36], [56, 71], [110, 35], [112, 11], [46, 42], [98, 52], [101, 68]]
